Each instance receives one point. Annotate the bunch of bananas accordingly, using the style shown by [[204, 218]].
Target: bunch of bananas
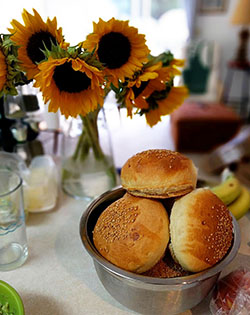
[[235, 195]]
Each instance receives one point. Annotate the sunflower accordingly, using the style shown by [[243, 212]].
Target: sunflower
[[151, 89], [166, 106], [150, 79], [71, 85], [118, 47], [141, 83], [32, 37]]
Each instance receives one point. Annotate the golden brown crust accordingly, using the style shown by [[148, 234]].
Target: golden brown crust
[[166, 268], [132, 233], [159, 174], [201, 230]]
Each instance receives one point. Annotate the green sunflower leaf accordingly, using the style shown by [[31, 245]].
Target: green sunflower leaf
[[165, 58], [14, 74]]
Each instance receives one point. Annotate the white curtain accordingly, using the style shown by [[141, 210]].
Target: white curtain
[[190, 8]]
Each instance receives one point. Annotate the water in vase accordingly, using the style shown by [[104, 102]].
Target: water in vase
[[89, 178]]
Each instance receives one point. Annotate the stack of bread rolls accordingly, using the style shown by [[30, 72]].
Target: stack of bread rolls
[[163, 226]]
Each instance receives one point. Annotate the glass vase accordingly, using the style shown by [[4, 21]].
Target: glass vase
[[87, 159]]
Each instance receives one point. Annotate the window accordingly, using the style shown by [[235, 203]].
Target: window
[[162, 21], [155, 18]]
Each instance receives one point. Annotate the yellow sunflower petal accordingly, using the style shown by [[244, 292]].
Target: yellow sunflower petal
[[138, 50], [175, 98], [178, 62], [140, 102], [148, 76], [153, 117], [18, 27], [129, 102], [70, 102], [156, 80], [155, 67], [24, 34]]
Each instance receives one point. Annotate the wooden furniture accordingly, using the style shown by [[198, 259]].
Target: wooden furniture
[[200, 127]]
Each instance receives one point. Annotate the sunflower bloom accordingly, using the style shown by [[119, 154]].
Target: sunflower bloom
[[118, 47], [3, 71], [136, 86], [71, 85], [31, 37], [151, 79], [166, 106]]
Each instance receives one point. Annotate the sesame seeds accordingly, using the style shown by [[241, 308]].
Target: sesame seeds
[[220, 233], [166, 268], [209, 232], [170, 158], [156, 153], [151, 173], [113, 223]]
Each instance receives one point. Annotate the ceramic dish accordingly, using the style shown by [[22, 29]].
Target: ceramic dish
[[9, 295]]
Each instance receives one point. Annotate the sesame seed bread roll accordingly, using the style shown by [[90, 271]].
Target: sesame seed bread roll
[[132, 233], [159, 174], [201, 230]]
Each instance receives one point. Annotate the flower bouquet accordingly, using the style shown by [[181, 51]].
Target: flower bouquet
[[76, 79]]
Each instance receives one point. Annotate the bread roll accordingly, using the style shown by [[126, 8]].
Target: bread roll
[[158, 174], [201, 230], [166, 268], [132, 233]]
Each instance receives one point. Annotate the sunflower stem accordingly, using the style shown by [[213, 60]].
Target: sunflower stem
[[90, 125], [82, 147], [88, 156]]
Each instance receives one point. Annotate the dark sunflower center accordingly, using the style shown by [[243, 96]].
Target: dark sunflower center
[[114, 50], [69, 80], [138, 91], [36, 43]]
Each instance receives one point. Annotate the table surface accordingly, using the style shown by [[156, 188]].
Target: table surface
[[59, 278]]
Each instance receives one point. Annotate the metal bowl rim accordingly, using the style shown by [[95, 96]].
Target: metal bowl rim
[[130, 276]]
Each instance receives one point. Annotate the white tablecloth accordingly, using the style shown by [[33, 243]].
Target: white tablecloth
[[59, 276]]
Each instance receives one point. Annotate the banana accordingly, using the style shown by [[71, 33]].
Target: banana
[[228, 190], [241, 205]]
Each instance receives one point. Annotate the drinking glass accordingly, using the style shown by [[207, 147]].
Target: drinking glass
[[13, 239]]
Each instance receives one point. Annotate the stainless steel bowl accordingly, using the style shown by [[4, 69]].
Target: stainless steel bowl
[[148, 295]]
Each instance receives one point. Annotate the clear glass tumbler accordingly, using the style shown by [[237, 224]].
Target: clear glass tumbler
[[13, 239]]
